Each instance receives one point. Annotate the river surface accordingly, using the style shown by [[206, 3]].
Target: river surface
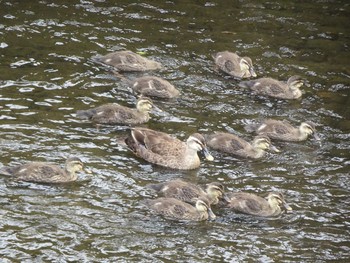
[[46, 75]]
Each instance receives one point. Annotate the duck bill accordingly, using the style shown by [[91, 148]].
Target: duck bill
[[211, 214], [156, 109], [207, 154], [287, 207], [226, 198], [274, 149], [87, 170], [252, 72], [317, 138]]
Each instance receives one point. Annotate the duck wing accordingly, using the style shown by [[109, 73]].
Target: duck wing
[[39, 172]]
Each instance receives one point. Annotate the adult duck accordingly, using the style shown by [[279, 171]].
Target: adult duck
[[162, 149]]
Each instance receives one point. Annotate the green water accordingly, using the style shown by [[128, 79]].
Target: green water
[[46, 75]]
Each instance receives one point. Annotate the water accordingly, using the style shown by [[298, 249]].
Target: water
[[46, 74]]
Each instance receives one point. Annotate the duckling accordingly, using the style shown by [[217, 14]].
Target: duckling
[[189, 192], [234, 65], [255, 205], [232, 144], [127, 60], [284, 131], [173, 208], [42, 172], [274, 88], [154, 87], [162, 149], [113, 113]]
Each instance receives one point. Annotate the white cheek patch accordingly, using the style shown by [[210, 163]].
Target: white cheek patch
[[108, 60], [257, 84], [136, 83]]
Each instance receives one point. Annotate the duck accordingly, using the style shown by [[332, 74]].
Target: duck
[[274, 88], [124, 61], [113, 113], [284, 131], [232, 144], [234, 65], [151, 86], [253, 204], [189, 192], [43, 172], [162, 149], [176, 209]]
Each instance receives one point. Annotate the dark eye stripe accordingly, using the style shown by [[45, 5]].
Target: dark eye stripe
[[199, 142]]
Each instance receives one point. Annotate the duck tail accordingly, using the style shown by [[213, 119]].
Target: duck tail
[[86, 114], [156, 187], [6, 170], [251, 127], [245, 84], [130, 143], [97, 58]]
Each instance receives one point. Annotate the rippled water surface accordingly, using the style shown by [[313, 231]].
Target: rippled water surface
[[46, 74]]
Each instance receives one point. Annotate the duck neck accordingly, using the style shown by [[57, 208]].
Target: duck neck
[[202, 215], [275, 208], [143, 114], [213, 199], [255, 151], [191, 158], [71, 174], [302, 135], [258, 153], [296, 93]]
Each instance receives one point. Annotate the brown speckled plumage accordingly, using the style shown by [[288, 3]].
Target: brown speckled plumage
[[154, 87], [44, 172], [128, 61], [189, 192], [283, 130], [232, 144], [234, 65], [274, 88], [113, 113], [255, 205], [172, 208], [162, 149]]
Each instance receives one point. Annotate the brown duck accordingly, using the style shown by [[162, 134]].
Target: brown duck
[[173, 208], [189, 192], [274, 88], [113, 113], [151, 86], [234, 65], [255, 205], [45, 172], [128, 61], [232, 144], [164, 150], [284, 131]]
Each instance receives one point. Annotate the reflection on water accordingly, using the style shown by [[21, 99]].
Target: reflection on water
[[47, 74]]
